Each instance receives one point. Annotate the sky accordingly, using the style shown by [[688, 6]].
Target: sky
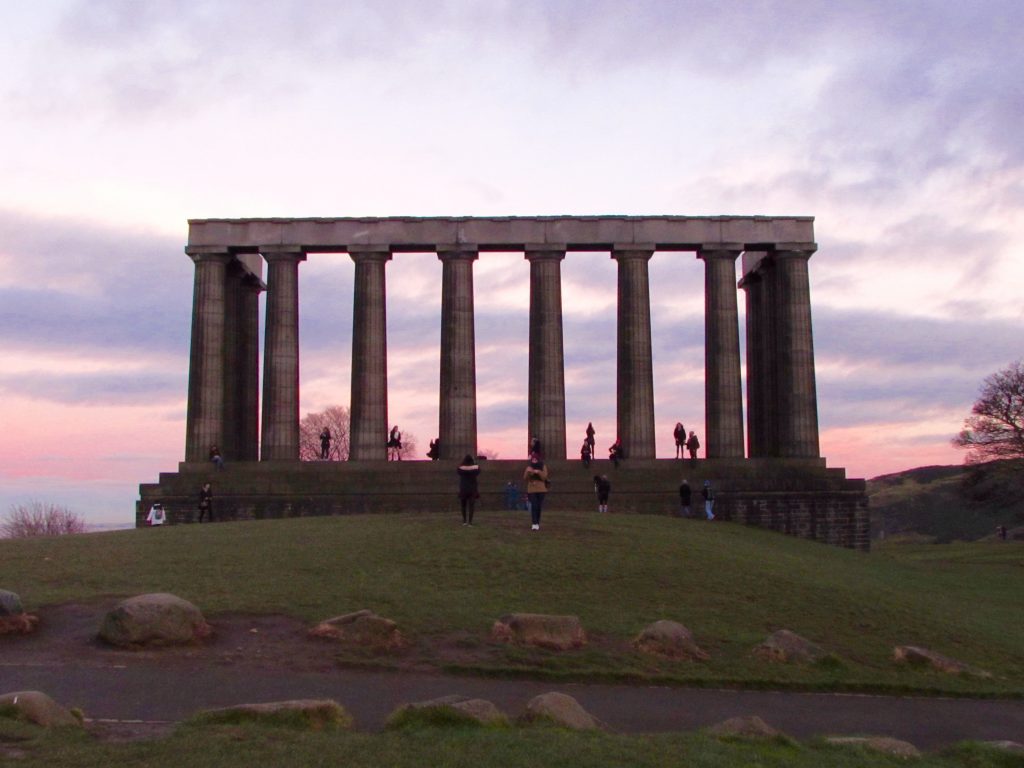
[[897, 125]]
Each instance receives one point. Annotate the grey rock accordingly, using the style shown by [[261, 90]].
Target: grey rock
[[154, 619], [37, 707]]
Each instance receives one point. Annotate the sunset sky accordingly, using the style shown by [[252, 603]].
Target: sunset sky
[[897, 125]]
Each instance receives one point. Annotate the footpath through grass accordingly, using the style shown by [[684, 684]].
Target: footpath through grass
[[729, 584], [247, 745]]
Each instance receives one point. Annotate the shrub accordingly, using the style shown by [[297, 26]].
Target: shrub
[[37, 518]]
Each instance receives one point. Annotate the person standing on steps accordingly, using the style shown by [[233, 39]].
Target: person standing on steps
[[586, 454], [679, 434], [325, 444], [537, 484], [205, 502], [709, 500], [590, 439], [615, 452], [469, 491], [536, 448], [603, 489], [216, 458], [395, 444], [692, 445], [685, 494]]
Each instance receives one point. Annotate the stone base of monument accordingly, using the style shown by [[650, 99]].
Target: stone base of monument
[[799, 497]]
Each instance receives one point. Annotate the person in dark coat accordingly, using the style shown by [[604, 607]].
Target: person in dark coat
[[692, 444], [325, 443], [585, 454], [536, 448], [679, 434], [395, 444], [469, 492], [590, 438], [205, 502], [685, 494], [615, 452], [709, 500], [603, 489]]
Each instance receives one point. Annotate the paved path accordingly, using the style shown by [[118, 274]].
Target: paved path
[[169, 690]]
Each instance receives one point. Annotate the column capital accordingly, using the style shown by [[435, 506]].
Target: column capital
[[719, 250], [544, 251], [217, 253], [463, 252], [632, 251], [282, 253], [368, 253], [794, 250]]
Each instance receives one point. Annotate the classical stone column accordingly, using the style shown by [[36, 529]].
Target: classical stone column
[[230, 444], [547, 362], [797, 392], [457, 419], [369, 406], [635, 372], [723, 392], [248, 415], [752, 284], [280, 438], [205, 419]]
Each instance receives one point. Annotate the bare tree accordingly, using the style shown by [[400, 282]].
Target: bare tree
[[488, 453], [37, 518], [336, 419], [995, 428], [408, 449]]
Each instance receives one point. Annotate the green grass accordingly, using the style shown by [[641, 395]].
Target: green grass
[[227, 746], [729, 584]]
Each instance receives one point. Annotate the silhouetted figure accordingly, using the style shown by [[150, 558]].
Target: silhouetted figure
[[395, 444], [586, 454], [1001, 532], [469, 492], [685, 494], [205, 502], [615, 452], [325, 443], [511, 495], [709, 500], [536, 448], [590, 438], [603, 489], [679, 434], [692, 445]]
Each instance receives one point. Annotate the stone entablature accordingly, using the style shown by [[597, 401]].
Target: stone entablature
[[508, 233]]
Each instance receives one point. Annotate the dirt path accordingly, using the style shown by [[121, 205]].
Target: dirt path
[[269, 658]]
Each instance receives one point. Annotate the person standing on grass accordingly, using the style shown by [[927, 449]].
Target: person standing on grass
[[469, 492], [709, 500], [157, 515], [537, 483], [685, 493], [603, 489], [205, 502]]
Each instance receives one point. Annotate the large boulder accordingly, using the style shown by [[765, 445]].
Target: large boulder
[[453, 710], [746, 727], [786, 646], [155, 620], [314, 714], [38, 708], [671, 639], [13, 619], [559, 633], [562, 710], [917, 656], [884, 744], [362, 628]]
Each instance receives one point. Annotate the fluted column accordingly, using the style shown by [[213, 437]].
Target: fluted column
[[369, 405], [635, 372], [798, 400], [547, 362], [758, 406], [248, 428], [723, 392], [205, 419], [457, 418], [280, 438]]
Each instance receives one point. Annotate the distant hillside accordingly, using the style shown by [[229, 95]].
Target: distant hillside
[[949, 502]]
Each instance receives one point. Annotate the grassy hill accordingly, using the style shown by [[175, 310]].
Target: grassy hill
[[948, 503], [445, 585]]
